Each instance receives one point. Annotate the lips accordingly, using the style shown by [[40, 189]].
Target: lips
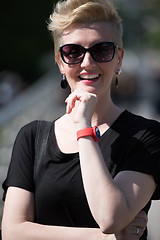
[[89, 77]]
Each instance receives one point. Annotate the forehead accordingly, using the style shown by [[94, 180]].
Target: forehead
[[87, 34]]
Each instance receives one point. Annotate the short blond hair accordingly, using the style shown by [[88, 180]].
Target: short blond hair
[[83, 11]]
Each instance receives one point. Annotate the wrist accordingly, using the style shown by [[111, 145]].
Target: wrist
[[91, 131], [82, 125]]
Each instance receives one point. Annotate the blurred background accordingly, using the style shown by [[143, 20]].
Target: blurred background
[[29, 78]]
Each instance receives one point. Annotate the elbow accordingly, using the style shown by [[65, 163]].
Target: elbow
[[109, 229], [111, 225], [112, 229], [114, 220]]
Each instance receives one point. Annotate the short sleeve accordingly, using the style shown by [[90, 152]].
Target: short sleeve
[[145, 155], [20, 172]]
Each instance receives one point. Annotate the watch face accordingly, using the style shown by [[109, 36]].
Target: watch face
[[98, 133]]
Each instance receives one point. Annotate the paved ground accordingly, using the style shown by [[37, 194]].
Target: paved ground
[[43, 101]]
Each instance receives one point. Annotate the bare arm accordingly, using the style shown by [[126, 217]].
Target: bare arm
[[18, 223], [135, 229], [123, 196]]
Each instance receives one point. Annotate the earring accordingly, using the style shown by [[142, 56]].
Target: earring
[[117, 73], [116, 82], [64, 83]]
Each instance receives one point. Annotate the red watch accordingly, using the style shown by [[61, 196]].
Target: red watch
[[93, 132]]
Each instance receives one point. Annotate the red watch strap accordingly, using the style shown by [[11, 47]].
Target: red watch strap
[[87, 132]]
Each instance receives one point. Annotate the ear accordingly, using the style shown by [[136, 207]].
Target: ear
[[120, 58], [59, 63]]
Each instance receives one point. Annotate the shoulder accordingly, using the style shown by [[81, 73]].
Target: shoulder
[[30, 128], [135, 118], [142, 124], [28, 131]]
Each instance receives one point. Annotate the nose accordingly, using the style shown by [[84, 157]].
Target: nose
[[87, 60]]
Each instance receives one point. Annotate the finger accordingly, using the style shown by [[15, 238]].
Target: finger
[[143, 215], [141, 220], [80, 96], [70, 100], [138, 231], [70, 105], [136, 227]]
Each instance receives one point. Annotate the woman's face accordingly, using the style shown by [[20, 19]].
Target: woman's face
[[89, 75]]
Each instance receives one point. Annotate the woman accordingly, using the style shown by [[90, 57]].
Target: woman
[[101, 163]]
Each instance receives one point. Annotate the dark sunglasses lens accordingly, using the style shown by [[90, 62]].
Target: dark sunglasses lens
[[72, 53], [103, 52]]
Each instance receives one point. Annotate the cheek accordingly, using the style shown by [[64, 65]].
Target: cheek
[[71, 75], [109, 69], [71, 71]]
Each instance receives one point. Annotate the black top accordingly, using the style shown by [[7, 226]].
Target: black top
[[131, 143]]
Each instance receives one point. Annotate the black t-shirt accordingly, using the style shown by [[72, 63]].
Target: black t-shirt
[[131, 143]]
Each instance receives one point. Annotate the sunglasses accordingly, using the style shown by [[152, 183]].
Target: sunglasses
[[100, 52]]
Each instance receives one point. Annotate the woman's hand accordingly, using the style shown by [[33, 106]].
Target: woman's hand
[[135, 229], [83, 104]]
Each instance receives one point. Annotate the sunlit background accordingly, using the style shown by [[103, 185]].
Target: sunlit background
[[29, 78]]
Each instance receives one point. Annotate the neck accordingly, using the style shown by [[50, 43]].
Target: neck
[[105, 113]]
